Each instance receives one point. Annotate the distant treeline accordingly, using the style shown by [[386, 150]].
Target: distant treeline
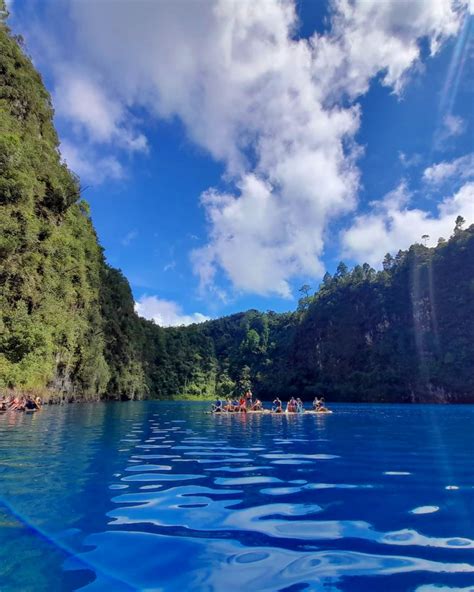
[[68, 328], [402, 334]]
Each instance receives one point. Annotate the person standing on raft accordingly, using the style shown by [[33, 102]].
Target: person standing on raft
[[248, 398]]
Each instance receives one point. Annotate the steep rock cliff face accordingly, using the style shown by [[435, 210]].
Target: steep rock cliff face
[[404, 334], [56, 334]]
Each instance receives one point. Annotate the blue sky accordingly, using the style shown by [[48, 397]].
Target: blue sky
[[232, 151]]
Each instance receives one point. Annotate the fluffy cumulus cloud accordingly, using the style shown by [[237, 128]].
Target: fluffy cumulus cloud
[[371, 37], [278, 110], [394, 225], [460, 169], [87, 105], [166, 313]]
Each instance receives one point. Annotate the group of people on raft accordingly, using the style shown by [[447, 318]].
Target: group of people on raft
[[23, 403], [247, 403]]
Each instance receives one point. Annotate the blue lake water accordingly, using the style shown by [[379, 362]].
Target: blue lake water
[[160, 496]]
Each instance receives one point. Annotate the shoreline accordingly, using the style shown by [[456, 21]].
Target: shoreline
[[56, 398]]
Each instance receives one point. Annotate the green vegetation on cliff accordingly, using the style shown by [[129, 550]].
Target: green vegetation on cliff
[[68, 326], [66, 317], [402, 334]]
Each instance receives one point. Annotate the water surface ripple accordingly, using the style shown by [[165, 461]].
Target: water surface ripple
[[161, 496]]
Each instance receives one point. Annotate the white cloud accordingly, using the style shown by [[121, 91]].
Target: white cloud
[[372, 36], [88, 166], [461, 168], [393, 225], [86, 104], [453, 125], [278, 111], [166, 312]]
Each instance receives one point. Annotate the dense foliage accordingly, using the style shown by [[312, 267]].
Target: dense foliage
[[68, 326], [66, 317], [402, 334]]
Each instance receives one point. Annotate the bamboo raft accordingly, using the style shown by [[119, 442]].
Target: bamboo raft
[[270, 412]]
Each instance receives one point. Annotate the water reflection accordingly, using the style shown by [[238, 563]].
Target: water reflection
[[162, 496]]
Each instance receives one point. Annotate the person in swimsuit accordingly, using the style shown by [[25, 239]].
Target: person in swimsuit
[[299, 405], [257, 405], [291, 406], [277, 406], [248, 398]]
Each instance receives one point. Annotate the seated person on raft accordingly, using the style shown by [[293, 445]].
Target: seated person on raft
[[320, 405], [30, 405], [228, 405], [217, 406], [277, 406]]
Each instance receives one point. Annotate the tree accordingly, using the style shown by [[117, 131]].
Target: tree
[[425, 238], [342, 270], [252, 342], [305, 300], [245, 383], [225, 385], [387, 263], [305, 290], [458, 225], [327, 279]]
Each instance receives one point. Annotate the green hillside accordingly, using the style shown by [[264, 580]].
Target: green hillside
[[66, 317]]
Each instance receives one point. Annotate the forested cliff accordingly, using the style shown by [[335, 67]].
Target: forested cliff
[[69, 331], [405, 333], [65, 314]]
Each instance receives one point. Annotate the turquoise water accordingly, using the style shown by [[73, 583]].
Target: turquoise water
[[161, 496]]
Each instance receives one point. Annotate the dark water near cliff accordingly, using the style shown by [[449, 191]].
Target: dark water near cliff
[[160, 496]]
